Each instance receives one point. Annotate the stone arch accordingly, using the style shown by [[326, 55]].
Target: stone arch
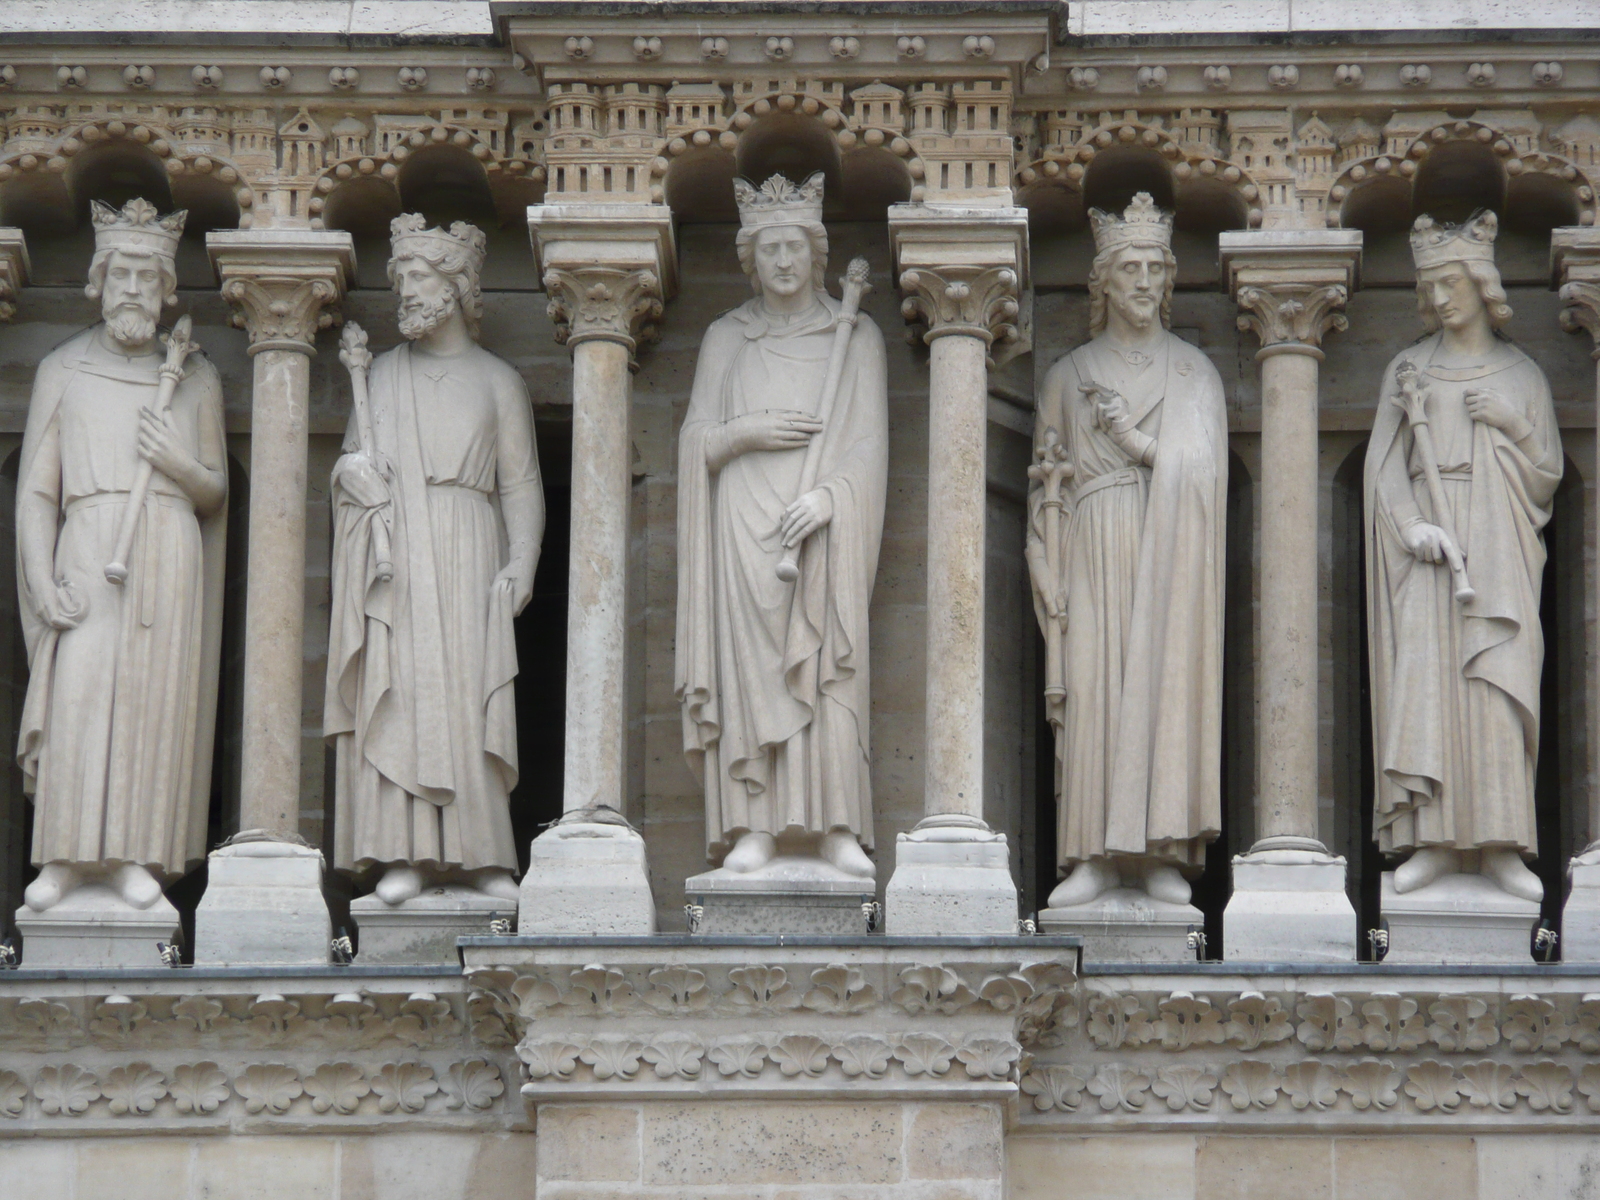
[[1500, 171]]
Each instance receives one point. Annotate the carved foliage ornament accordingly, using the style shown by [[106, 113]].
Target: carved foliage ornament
[[1292, 313], [604, 304], [972, 301]]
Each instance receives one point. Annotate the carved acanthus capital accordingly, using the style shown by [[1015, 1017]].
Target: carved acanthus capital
[[282, 284], [976, 301], [1293, 312], [1575, 268], [605, 303], [1581, 300], [13, 270], [1291, 283]]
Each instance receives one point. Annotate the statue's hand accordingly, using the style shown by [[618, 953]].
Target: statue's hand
[[1428, 543], [1111, 409], [805, 516], [362, 480], [772, 429], [1491, 408], [516, 581], [161, 445], [60, 606]]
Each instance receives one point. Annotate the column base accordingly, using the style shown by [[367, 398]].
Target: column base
[[92, 926], [1289, 905], [1127, 925], [424, 929], [263, 905], [1580, 917], [588, 875], [1461, 918], [952, 875]]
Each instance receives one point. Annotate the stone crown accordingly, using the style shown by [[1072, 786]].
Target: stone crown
[[779, 202], [1141, 224], [1434, 244], [136, 227], [409, 234]]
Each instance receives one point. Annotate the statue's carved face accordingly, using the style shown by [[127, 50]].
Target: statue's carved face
[[783, 259], [131, 297], [427, 296], [1455, 295], [1136, 284]]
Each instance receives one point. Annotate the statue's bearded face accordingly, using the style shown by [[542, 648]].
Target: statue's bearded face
[[783, 259], [1136, 284], [131, 298], [1455, 295], [427, 296]]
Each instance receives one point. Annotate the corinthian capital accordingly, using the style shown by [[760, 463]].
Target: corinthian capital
[[1291, 283], [1575, 266], [282, 283], [978, 301], [606, 303], [13, 270]]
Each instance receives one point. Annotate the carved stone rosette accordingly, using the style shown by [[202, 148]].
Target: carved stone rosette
[[604, 303]]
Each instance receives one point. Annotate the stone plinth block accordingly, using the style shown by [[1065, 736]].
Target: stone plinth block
[[951, 887], [1580, 919], [1125, 925], [263, 907], [1460, 919], [587, 877], [424, 928], [1289, 911], [95, 927], [789, 895]]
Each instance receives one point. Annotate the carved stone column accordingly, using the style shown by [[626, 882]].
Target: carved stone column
[[963, 271], [14, 269], [1289, 902], [1575, 269], [263, 902], [608, 270]]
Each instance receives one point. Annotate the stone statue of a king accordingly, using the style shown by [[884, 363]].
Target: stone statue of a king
[[1127, 516], [772, 673], [117, 726], [421, 651], [1461, 470]]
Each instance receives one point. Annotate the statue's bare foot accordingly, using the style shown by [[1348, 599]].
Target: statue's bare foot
[[1163, 882], [1510, 874], [399, 884], [496, 882], [1087, 881], [54, 882], [842, 850], [1428, 865], [135, 885], [751, 852]]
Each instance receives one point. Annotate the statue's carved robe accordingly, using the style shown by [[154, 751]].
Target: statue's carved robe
[[120, 716], [773, 677], [1139, 731], [419, 702], [1455, 688]]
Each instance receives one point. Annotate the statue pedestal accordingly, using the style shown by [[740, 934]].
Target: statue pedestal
[[1580, 918], [588, 875], [791, 894], [263, 906], [1126, 925], [424, 929], [1458, 919], [95, 927], [952, 875], [1289, 906]]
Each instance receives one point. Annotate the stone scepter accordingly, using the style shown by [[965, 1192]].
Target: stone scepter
[[1412, 404], [353, 353]]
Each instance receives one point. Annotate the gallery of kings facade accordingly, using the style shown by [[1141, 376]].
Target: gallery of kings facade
[[742, 600]]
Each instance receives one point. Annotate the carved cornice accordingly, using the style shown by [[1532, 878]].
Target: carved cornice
[[13, 270], [283, 284], [1291, 284], [604, 304]]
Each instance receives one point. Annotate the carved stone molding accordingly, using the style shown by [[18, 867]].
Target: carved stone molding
[[283, 284], [964, 272], [976, 301], [1291, 284], [817, 1020], [604, 303], [13, 270], [1575, 270]]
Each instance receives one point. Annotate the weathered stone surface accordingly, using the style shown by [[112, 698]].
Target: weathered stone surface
[[711, 1142]]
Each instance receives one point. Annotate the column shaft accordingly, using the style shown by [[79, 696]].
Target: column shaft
[[275, 592], [957, 441], [597, 579], [1286, 712]]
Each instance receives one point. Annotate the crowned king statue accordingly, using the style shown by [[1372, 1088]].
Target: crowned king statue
[[781, 482], [121, 598], [438, 516], [1461, 471], [1127, 516]]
